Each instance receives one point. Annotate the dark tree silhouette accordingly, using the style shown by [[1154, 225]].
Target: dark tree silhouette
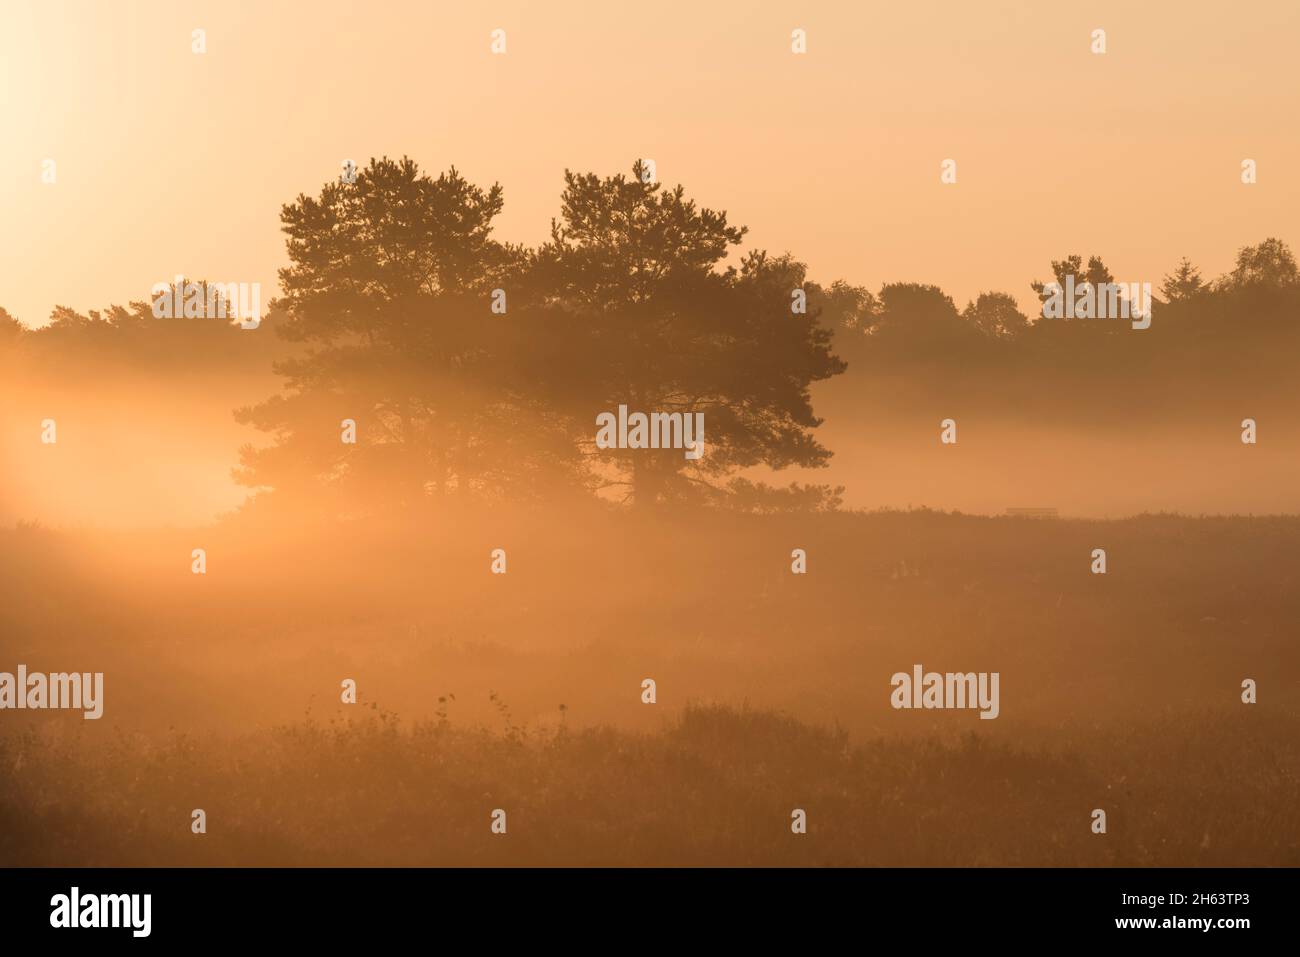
[[1271, 263], [850, 311], [919, 319], [655, 323], [1095, 274], [391, 289], [391, 285], [1184, 283], [996, 315], [11, 330]]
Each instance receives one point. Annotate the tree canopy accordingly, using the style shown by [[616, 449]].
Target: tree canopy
[[473, 367]]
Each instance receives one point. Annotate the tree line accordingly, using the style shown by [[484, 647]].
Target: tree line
[[474, 368]]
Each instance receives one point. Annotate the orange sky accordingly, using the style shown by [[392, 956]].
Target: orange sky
[[171, 162]]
